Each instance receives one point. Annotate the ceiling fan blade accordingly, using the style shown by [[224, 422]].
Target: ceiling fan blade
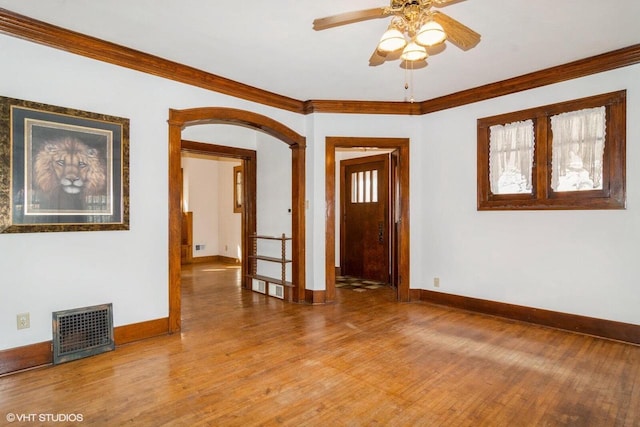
[[443, 3], [348, 18], [460, 35], [377, 58]]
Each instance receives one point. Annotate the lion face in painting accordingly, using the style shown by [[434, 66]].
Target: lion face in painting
[[70, 166]]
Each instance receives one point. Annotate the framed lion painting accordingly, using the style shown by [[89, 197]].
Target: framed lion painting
[[62, 169]]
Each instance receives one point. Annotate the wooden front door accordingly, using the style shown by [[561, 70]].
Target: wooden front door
[[365, 218]]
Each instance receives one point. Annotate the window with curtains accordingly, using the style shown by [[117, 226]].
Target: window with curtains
[[511, 157], [578, 150], [562, 156]]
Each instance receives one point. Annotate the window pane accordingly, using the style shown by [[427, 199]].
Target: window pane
[[578, 150], [239, 188], [579, 145], [511, 157], [354, 188], [360, 187], [367, 186], [374, 186]]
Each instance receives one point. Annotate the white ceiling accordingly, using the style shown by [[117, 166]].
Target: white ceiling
[[271, 44]]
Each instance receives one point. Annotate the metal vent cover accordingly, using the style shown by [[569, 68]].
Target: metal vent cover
[[276, 291], [82, 332], [259, 286]]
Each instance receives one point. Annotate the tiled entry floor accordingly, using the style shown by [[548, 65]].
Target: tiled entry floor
[[358, 285]]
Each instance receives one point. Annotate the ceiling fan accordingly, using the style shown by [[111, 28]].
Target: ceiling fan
[[414, 27]]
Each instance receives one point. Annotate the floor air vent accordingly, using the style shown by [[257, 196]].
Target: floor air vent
[[82, 332]]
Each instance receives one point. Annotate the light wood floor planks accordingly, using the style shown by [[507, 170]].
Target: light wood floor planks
[[244, 359]]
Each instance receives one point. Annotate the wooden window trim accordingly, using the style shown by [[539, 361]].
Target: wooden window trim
[[542, 197]]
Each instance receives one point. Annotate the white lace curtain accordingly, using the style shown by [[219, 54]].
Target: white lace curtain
[[578, 147], [511, 157]]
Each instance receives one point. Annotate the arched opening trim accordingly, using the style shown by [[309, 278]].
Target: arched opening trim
[[178, 120]]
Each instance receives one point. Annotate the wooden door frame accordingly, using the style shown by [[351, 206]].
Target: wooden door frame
[[179, 119], [402, 145], [249, 166]]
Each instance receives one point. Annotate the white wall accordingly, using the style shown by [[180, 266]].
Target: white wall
[[229, 222], [581, 262], [274, 199], [201, 197], [478, 254], [321, 126], [273, 169], [45, 272], [208, 193]]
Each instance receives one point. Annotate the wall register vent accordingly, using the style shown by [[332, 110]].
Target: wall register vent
[[82, 332], [276, 290], [259, 286]]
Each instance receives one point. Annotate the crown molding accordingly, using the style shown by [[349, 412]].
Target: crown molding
[[362, 107], [32, 30], [572, 70]]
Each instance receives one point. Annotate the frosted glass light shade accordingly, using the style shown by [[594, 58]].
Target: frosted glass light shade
[[413, 52], [431, 33], [391, 40]]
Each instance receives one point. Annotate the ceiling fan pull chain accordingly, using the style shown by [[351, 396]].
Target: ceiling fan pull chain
[[408, 81]]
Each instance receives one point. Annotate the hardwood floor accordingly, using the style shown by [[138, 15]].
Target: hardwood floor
[[246, 359]]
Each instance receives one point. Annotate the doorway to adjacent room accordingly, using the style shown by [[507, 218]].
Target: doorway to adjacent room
[[396, 231], [364, 221]]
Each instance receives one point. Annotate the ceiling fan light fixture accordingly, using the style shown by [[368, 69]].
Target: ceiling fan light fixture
[[392, 40], [430, 34], [413, 52]]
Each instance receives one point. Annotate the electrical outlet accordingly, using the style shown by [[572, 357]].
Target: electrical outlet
[[23, 321], [436, 282]]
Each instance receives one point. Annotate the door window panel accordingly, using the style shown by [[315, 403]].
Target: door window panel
[[364, 186]]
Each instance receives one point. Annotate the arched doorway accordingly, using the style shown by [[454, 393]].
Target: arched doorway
[[179, 119]]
